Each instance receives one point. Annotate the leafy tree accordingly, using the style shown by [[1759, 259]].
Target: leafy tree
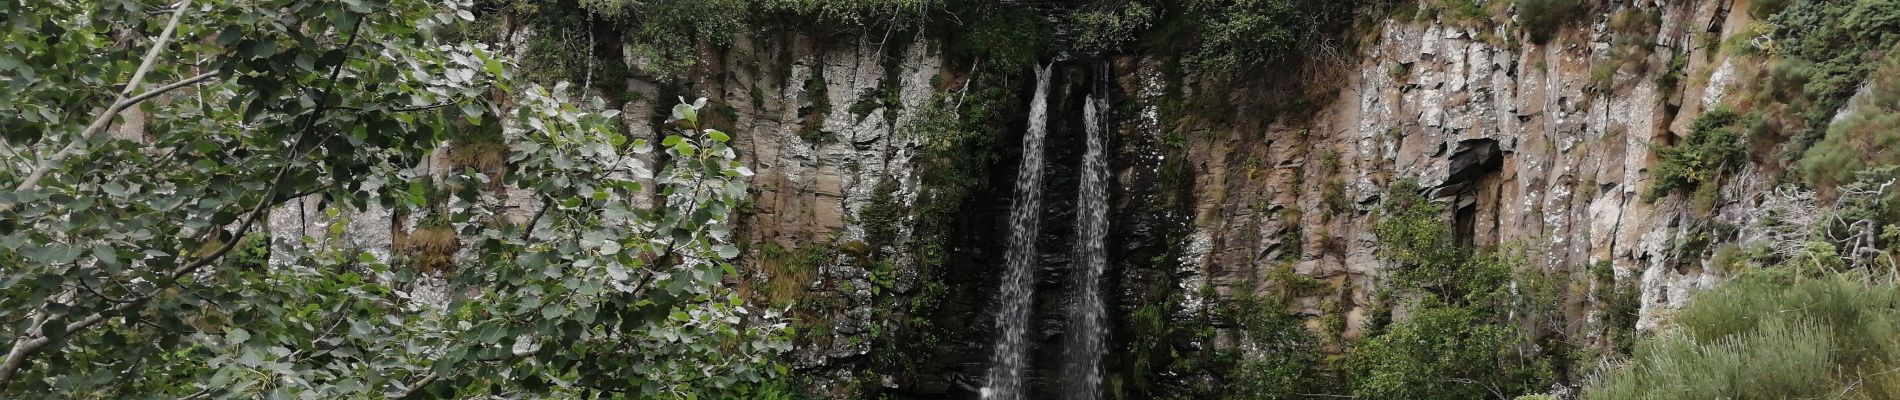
[[1238, 34], [1105, 26], [145, 144], [1466, 332], [1445, 352]]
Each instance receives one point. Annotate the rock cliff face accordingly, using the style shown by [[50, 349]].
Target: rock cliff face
[[1215, 182], [1531, 145]]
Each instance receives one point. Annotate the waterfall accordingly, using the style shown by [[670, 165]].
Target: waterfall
[[1008, 363], [1082, 367]]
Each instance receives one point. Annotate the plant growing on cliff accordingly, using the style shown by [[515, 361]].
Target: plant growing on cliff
[[1712, 150], [1868, 137], [123, 274], [1818, 55], [1542, 18]]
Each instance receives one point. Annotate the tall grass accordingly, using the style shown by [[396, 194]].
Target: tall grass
[[1770, 336]]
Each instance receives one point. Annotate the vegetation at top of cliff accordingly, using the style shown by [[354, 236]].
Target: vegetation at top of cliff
[[857, 12], [1010, 39], [1236, 34], [148, 144], [1242, 35], [1542, 18], [1108, 25]]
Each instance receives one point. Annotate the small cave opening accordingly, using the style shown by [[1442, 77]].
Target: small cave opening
[[1475, 163]]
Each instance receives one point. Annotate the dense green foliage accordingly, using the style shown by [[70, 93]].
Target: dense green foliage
[[1542, 18], [1712, 149], [1105, 26], [124, 275], [1459, 339], [1444, 352], [1242, 35], [1238, 33], [1869, 137], [1279, 359], [1011, 39], [1817, 55]]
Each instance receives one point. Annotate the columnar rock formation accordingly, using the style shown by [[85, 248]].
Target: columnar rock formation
[[1532, 145]]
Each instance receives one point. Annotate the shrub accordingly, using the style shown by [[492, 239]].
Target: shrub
[[1632, 40], [1280, 359], [1105, 26], [1868, 137], [1763, 9], [882, 218], [1712, 149], [1462, 13], [855, 13], [1767, 335], [1238, 35], [790, 272], [1412, 234], [1542, 18], [1010, 38], [1445, 352], [1462, 337], [1828, 49]]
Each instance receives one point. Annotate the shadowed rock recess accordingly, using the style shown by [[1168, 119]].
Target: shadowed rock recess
[[1245, 201]]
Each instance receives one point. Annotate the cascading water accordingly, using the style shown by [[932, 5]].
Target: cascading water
[[1082, 366], [1009, 364]]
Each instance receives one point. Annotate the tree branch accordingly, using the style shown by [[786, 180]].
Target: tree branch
[[104, 119], [546, 203], [35, 341], [416, 387], [413, 388]]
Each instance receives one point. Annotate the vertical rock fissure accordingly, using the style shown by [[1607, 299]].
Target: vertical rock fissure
[[1009, 362], [1082, 369]]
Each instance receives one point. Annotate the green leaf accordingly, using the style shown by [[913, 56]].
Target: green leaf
[[107, 257], [717, 136], [489, 332], [685, 112], [555, 311], [237, 336], [304, 62], [671, 140], [261, 48], [230, 35], [473, 112], [492, 65]]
